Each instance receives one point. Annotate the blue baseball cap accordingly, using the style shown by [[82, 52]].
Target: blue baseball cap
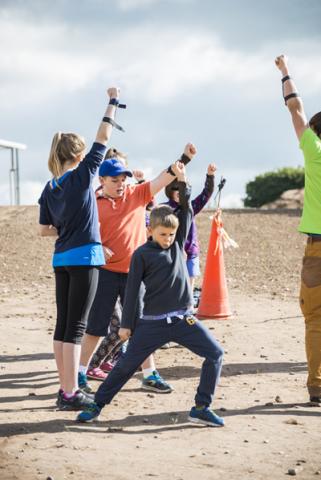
[[112, 168]]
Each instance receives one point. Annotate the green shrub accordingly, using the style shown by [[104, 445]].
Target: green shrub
[[269, 186]]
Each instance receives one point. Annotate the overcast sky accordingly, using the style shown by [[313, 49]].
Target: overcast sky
[[189, 70]]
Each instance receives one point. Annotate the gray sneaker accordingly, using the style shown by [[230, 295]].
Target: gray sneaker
[[79, 401]]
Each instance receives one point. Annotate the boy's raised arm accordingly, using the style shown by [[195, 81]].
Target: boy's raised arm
[[167, 176], [185, 213], [199, 202]]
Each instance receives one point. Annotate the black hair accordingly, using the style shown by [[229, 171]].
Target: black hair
[[315, 124]]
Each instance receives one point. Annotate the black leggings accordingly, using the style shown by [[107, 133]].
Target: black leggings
[[75, 292]]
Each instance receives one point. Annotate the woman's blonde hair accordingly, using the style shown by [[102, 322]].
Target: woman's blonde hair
[[120, 156], [65, 147]]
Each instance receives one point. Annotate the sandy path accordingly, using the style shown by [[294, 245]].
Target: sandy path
[[144, 435]]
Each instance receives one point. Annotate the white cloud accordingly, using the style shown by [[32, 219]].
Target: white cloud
[[53, 59], [177, 61], [30, 192], [232, 200], [36, 65], [5, 194], [157, 63]]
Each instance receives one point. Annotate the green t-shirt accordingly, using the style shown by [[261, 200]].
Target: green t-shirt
[[310, 144]]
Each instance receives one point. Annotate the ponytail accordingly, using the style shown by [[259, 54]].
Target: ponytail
[[114, 153], [54, 164], [65, 147]]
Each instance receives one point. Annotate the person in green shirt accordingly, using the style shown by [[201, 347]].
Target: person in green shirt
[[309, 135]]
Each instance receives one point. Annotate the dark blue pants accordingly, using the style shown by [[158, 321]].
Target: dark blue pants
[[148, 336]]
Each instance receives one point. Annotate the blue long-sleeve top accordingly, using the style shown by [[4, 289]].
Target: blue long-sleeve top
[[69, 204]]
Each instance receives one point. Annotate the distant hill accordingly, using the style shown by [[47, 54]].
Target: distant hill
[[289, 199]]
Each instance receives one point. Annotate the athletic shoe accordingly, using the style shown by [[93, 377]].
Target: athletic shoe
[[156, 383], [205, 416], [61, 393], [107, 366], [90, 414], [83, 384], [96, 374], [79, 401]]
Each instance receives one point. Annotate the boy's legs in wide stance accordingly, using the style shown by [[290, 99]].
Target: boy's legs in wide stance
[[150, 335], [147, 338]]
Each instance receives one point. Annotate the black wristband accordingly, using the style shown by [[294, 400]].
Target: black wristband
[[291, 95], [115, 102], [170, 171], [284, 79], [184, 159], [113, 123]]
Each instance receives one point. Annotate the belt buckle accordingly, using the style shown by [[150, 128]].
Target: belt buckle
[[190, 320]]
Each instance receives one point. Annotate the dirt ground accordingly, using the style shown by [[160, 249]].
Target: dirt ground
[[270, 427]]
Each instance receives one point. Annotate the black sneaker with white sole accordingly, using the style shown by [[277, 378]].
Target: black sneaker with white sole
[[79, 401], [61, 393]]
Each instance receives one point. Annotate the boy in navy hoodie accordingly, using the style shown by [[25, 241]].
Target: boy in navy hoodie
[[161, 266]]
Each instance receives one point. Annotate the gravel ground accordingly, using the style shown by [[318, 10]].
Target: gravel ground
[[267, 261]]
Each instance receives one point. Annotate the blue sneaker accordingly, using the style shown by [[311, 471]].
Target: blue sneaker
[[91, 414], [156, 383], [205, 416], [83, 384]]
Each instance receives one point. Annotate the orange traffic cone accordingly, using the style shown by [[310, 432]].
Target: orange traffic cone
[[214, 297]]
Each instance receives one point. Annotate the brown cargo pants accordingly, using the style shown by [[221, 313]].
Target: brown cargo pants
[[310, 302]]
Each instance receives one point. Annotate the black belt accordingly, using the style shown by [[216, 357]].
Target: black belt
[[314, 238]]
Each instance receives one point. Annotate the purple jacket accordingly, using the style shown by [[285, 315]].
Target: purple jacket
[[192, 247]]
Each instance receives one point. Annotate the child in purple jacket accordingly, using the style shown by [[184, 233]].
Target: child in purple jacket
[[192, 248]]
